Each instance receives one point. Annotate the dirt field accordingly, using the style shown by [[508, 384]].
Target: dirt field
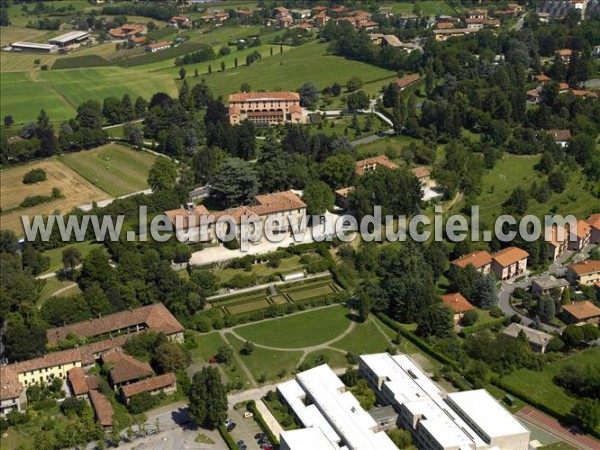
[[75, 189]]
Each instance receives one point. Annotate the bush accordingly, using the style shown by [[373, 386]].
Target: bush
[[496, 312], [143, 402], [71, 406], [231, 445], [469, 318], [34, 176]]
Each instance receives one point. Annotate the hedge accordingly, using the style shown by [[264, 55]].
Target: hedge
[[231, 445], [417, 341], [465, 331], [261, 422]]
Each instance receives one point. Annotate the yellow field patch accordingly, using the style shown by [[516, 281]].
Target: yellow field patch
[[75, 190]]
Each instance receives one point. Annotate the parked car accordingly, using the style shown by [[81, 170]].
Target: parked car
[[231, 426], [240, 442], [228, 421], [259, 436]]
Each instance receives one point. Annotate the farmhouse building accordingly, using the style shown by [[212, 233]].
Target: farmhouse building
[[12, 392], [127, 30], [423, 175], [509, 262], [158, 46], [582, 312], [103, 410], [124, 369], [585, 272], [458, 303], [538, 340], [371, 164], [266, 108], [442, 35], [561, 137], [277, 212], [165, 383], [408, 80], [480, 260]]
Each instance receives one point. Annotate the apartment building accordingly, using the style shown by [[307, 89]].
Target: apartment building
[[585, 272], [509, 262], [480, 260]]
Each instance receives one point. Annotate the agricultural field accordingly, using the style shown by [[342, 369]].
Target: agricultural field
[[18, 90], [12, 34], [113, 168], [299, 330], [76, 190]]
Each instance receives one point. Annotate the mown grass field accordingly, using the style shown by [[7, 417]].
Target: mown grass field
[[540, 387], [55, 287], [365, 338], [76, 190], [55, 254], [299, 330], [23, 98], [113, 168]]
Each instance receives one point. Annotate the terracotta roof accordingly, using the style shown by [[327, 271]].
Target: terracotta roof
[[392, 40], [138, 40], [453, 31], [76, 377], [583, 229], [92, 381], [125, 368], [594, 220], [533, 93], [149, 384], [319, 8], [365, 164], [560, 135], [478, 11], [186, 215], [48, 360], [246, 96], [369, 24], [9, 384], [585, 267], [584, 93], [509, 255], [457, 302], [295, 109], [477, 259], [156, 317], [343, 192], [564, 52], [542, 78], [102, 407], [420, 172], [445, 25], [158, 44], [582, 310], [276, 202]]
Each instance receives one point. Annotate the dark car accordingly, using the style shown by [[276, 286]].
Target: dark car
[[231, 426], [240, 443], [258, 436]]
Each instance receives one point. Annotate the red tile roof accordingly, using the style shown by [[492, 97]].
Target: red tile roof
[[445, 25], [407, 80], [564, 52], [477, 259], [364, 165], [457, 302], [156, 317], [509, 255], [149, 385], [159, 44], [594, 220], [583, 229], [277, 202], [125, 368], [420, 172], [585, 267], [560, 135], [582, 310], [542, 78], [102, 407], [76, 377], [343, 192], [257, 96], [9, 384]]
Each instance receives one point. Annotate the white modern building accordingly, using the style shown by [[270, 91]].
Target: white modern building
[[331, 416], [439, 420]]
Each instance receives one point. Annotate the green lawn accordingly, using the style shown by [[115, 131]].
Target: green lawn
[[540, 387], [365, 338], [390, 145], [264, 362], [23, 99], [334, 358], [54, 284], [208, 345], [261, 270], [115, 169], [55, 254], [299, 330], [429, 8]]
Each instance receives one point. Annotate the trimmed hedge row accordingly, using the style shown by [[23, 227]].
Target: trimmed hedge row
[[417, 341], [261, 422], [231, 445]]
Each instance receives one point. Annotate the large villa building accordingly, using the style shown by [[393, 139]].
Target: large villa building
[[266, 108], [277, 212]]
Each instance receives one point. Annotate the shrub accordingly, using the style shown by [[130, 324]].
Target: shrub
[[34, 176], [469, 318], [142, 402]]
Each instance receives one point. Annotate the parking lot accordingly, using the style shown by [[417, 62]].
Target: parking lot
[[245, 429]]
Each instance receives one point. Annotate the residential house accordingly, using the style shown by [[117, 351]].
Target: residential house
[[318, 9], [480, 260], [557, 245], [12, 392], [321, 20], [534, 95], [282, 209], [281, 11], [545, 285], [584, 93], [127, 30], [81, 384], [166, 383], [266, 108], [585, 272], [216, 17], [563, 88], [541, 78], [561, 137], [443, 35], [594, 221], [389, 40], [538, 340], [423, 175], [477, 14], [300, 14], [371, 164], [158, 46], [582, 312], [124, 369], [580, 237], [154, 317], [509, 262], [103, 410], [458, 303], [180, 22], [341, 196], [563, 55], [407, 81], [386, 11]]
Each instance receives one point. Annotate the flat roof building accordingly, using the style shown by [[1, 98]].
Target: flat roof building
[[33, 47], [435, 418], [319, 400], [70, 38]]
